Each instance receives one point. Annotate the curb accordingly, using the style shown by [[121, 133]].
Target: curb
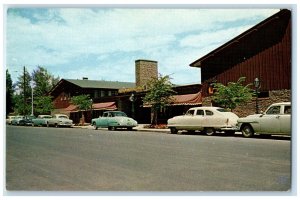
[[135, 128]]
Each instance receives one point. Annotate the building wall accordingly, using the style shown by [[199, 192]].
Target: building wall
[[272, 66], [275, 96], [145, 70]]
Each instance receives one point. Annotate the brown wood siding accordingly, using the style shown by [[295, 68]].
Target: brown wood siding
[[272, 66]]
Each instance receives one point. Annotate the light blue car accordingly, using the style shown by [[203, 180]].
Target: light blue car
[[113, 120]]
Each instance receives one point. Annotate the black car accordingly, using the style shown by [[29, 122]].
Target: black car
[[27, 121]]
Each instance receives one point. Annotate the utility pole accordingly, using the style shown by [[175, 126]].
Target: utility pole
[[24, 86]]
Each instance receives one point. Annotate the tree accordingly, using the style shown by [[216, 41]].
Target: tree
[[9, 93], [23, 96], [233, 94], [158, 95], [83, 103], [43, 105], [43, 81]]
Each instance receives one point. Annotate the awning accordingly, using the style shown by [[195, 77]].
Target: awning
[[186, 99], [105, 106], [95, 106]]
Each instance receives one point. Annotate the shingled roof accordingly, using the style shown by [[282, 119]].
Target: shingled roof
[[101, 84]]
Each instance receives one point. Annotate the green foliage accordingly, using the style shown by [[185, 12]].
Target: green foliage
[[43, 105], [233, 94], [23, 96], [43, 81], [159, 94], [9, 93], [83, 102]]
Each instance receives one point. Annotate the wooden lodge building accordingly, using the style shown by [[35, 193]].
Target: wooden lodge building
[[263, 52], [123, 96]]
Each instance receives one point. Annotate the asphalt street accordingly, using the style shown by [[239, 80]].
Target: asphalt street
[[69, 159]]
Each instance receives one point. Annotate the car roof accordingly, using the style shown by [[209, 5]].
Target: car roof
[[281, 103], [206, 107]]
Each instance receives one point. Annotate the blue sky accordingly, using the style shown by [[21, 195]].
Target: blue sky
[[103, 43]]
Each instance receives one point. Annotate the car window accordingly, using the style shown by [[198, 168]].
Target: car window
[[222, 110], [105, 114], [200, 112], [120, 114], [190, 112], [287, 110], [62, 117], [273, 110], [209, 113]]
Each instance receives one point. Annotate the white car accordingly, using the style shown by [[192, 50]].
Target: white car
[[207, 119], [58, 120], [276, 120]]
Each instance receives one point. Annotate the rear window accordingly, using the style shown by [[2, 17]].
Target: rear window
[[222, 110]]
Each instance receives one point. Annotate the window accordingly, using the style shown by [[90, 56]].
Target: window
[[190, 112], [200, 112], [109, 93], [273, 110], [209, 113], [287, 110]]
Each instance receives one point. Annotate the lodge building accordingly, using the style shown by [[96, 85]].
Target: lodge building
[[263, 52]]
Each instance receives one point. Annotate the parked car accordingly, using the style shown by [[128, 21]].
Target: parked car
[[17, 119], [113, 120], [27, 120], [41, 120], [59, 120], [9, 119], [206, 119], [276, 120]]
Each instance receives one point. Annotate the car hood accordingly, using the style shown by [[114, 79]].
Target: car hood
[[255, 116]]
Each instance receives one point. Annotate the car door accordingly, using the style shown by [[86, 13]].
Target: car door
[[285, 119], [103, 121], [196, 120], [270, 121]]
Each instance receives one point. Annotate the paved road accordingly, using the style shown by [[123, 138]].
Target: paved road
[[62, 159]]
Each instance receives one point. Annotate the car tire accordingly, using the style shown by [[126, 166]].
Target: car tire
[[247, 131], [209, 131], [95, 126], [111, 128], [173, 130]]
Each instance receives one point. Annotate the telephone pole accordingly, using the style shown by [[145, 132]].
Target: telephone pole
[[24, 86]]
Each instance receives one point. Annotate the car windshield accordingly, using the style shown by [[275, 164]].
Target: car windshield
[[62, 117], [47, 117]]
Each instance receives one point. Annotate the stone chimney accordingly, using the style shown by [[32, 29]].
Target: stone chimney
[[145, 70]]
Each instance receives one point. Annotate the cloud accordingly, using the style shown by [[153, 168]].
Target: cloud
[[72, 42]]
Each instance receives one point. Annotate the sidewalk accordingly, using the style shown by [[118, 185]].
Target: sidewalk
[[140, 127]]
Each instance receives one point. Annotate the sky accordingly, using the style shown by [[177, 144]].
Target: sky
[[103, 43]]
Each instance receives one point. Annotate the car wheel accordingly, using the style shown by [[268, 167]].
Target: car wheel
[[247, 131], [56, 125], [209, 131], [95, 126], [112, 128], [173, 130]]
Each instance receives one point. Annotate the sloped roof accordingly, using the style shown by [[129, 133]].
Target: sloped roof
[[101, 84], [259, 37]]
